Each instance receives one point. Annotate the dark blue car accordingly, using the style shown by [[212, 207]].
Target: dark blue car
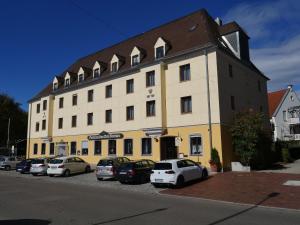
[[24, 166]]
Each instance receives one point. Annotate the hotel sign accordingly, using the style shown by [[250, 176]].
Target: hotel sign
[[104, 136]]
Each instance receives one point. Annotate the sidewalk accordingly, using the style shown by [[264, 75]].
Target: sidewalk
[[256, 188]]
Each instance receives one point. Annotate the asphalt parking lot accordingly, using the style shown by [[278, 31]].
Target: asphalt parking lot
[[89, 180]]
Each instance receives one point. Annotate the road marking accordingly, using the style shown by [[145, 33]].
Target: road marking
[[292, 183]]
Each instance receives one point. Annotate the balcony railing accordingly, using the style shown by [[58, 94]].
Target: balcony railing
[[295, 120]]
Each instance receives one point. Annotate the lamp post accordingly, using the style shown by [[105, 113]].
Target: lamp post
[[8, 130]]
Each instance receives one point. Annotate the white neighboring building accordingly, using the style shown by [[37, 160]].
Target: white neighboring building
[[284, 111]]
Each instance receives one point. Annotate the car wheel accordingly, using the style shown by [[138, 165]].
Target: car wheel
[[7, 168], [87, 169], [100, 179], [204, 174], [156, 185], [67, 173], [180, 181], [34, 174], [51, 175]]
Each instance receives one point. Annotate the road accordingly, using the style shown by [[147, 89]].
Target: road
[[26, 201]]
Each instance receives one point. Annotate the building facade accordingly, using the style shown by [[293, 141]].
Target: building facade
[[284, 108], [167, 93]]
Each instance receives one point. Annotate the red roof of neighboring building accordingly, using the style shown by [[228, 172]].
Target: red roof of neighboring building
[[274, 99]]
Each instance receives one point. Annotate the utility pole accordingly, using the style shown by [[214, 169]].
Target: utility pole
[[8, 130]]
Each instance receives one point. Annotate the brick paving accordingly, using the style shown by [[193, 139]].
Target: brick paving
[[256, 188]]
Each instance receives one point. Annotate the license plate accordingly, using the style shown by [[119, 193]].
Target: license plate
[[159, 180], [53, 167], [122, 172]]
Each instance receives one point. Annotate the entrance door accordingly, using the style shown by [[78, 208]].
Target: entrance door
[[62, 150], [168, 150]]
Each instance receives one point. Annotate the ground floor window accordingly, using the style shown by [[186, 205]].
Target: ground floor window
[[146, 146], [128, 146], [196, 145], [35, 149], [43, 151], [97, 148], [112, 147], [51, 152], [84, 148], [73, 148]]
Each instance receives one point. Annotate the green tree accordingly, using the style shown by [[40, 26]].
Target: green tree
[[9, 108], [247, 135]]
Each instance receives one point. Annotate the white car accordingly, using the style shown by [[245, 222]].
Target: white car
[[64, 166], [177, 172], [8, 162]]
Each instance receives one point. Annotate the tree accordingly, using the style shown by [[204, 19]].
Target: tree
[[247, 135], [9, 108]]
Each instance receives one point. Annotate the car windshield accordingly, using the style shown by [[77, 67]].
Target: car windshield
[[56, 161], [105, 162], [162, 166], [37, 161]]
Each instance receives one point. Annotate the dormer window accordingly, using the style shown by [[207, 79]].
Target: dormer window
[[67, 82], [135, 60], [160, 52], [55, 83], [114, 67], [96, 72], [55, 86], [80, 78]]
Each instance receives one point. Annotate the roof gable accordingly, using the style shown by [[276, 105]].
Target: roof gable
[[275, 98]]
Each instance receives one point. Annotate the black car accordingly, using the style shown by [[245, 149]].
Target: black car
[[24, 166], [135, 171]]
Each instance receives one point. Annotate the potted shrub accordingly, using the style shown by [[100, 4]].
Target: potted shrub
[[215, 163]]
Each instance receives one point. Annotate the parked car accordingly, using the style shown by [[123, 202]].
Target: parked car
[[135, 171], [107, 168], [176, 172], [39, 166], [8, 162], [67, 165], [24, 166]]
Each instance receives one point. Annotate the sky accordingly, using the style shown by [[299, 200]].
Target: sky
[[41, 38]]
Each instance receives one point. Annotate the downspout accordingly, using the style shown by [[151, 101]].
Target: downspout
[[208, 102], [29, 131]]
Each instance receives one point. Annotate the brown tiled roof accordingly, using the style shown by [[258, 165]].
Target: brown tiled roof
[[191, 31], [274, 99]]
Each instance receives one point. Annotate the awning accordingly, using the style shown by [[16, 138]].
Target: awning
[[155, 132]]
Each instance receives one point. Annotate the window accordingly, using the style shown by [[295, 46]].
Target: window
[[43, 151], [108, 91], [84, 148], [284, 115], [90, 119], [37, 126], [55, 86], [130, 113], [44, 125], [61, 102], [67, 82], [51, 152], [186, 104], [185, 72], [128, 147], [150, 108], [108, 116], [73, 148], [160, 52], [74, 121], [146, 146], [35, 149], [90, 95], [114, 67], [38, 108], [150, 79], [45, 105], [259, 86], [230, 71], [130, 86], [112, 147], [135, 60], [97, 147], [96, 72], [232, 102], [80, 78], [74, 100], [60, 123], [196, 145]]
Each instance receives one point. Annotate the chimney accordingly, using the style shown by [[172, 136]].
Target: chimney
[[219, 21], [290, 86]]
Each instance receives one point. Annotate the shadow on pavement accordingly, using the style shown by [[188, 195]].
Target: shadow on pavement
[[271, 195], [25, 222]]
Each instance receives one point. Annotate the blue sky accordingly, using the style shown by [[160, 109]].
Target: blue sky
[[39, 39]]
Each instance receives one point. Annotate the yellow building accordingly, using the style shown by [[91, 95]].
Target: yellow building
[[169, 92]]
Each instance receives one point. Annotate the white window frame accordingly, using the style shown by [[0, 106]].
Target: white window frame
[[201, 148]]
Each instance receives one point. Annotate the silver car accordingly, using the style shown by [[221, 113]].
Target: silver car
[[39, 166], [107, 168], [8, 163]]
